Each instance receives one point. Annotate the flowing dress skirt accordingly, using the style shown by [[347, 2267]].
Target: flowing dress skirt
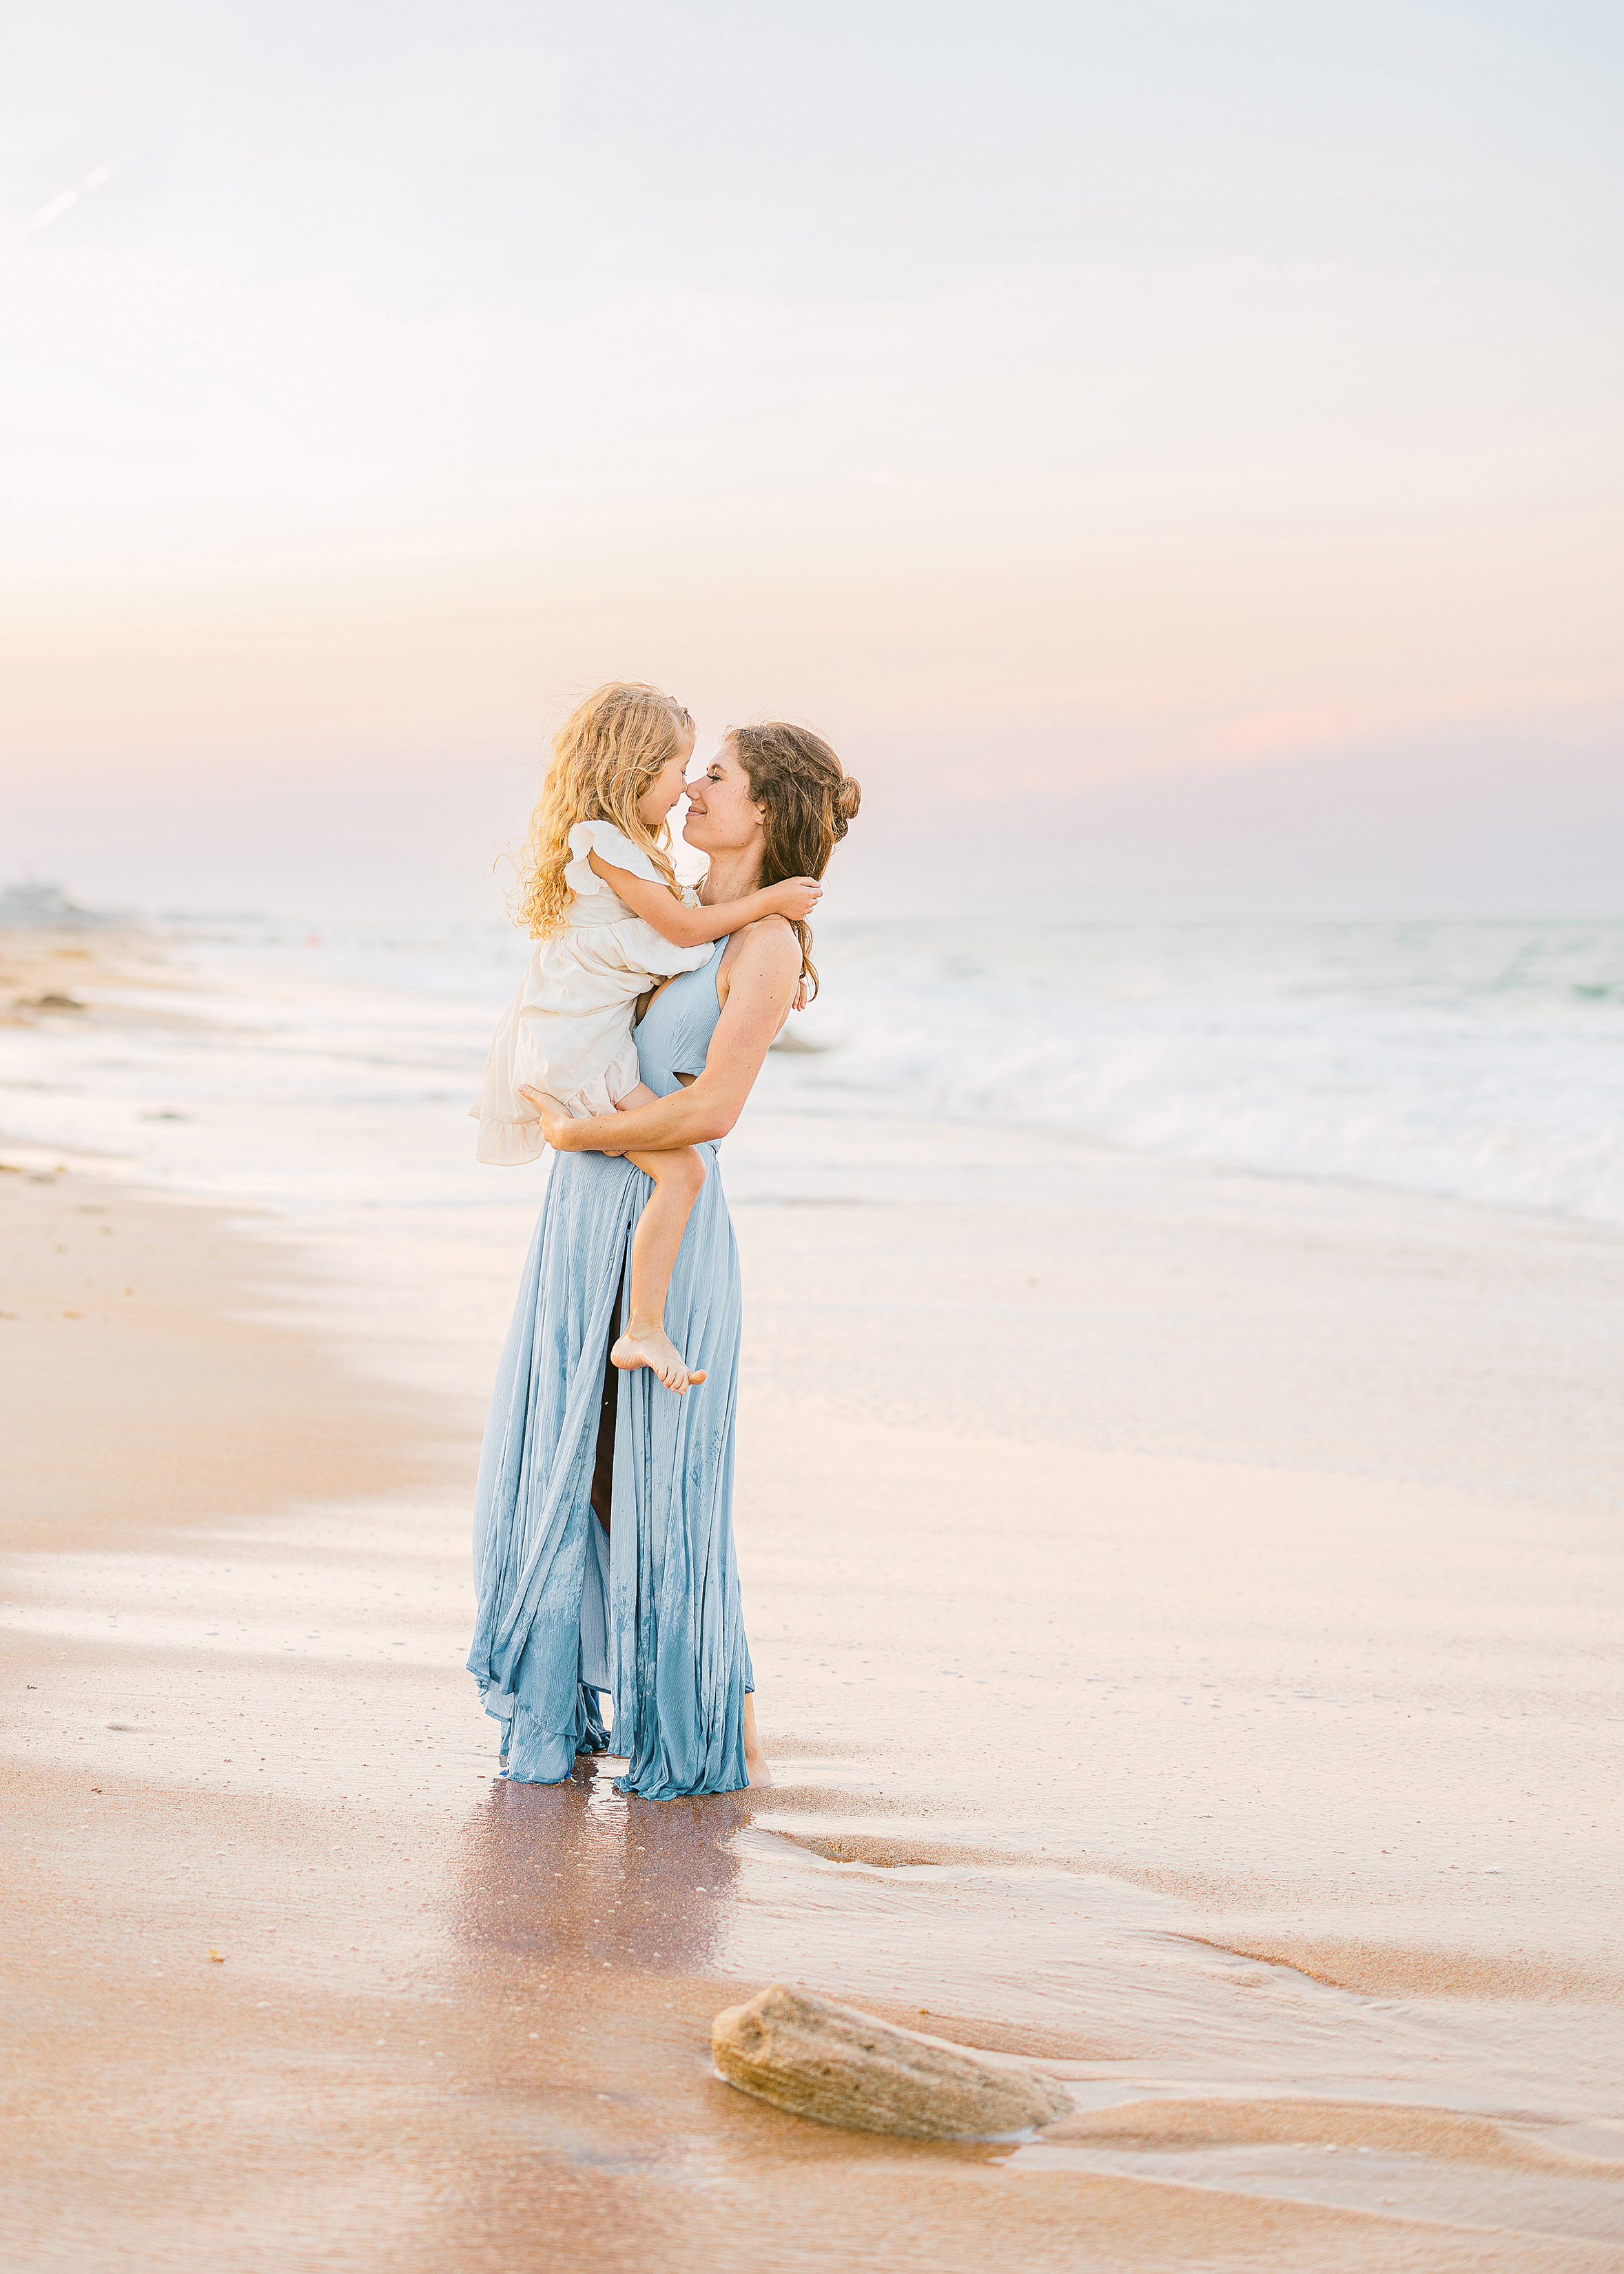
[[651, 1613]]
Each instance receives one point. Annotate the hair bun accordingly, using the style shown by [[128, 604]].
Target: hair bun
[[848, 797]]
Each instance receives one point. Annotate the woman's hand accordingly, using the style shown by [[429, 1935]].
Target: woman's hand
[[557, 1127], [795, 898], [756, 985]]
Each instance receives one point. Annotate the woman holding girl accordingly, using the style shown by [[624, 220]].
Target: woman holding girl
[[604, 1543]]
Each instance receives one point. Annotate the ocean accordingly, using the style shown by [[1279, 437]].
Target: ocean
[[317, 1070]]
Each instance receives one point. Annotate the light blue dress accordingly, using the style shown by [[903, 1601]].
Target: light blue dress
[[651, 1614]]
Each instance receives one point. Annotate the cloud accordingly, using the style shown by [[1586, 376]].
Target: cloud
[[1037, 407]]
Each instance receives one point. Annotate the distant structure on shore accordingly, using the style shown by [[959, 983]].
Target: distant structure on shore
[[46, 908]]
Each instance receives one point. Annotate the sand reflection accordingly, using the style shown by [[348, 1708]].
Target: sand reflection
[[579, 1875]]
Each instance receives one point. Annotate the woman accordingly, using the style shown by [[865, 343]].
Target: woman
[[603, 1532]]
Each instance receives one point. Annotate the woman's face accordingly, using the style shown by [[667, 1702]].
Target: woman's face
[[722, 815], [667, 785]]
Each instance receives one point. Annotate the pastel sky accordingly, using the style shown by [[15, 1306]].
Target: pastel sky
[[1172, 450]]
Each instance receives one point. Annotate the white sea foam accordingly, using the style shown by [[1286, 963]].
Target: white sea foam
[[1483, 1061]]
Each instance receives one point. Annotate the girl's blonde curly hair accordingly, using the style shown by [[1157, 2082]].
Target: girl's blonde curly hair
[[604, 756]]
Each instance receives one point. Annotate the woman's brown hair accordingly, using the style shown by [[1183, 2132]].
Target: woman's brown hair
[[807, 801]]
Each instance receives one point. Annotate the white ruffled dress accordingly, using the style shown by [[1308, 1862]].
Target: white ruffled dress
[[568, 1030]]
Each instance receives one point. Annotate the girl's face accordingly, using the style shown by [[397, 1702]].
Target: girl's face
[[667, 785], [722, 815]]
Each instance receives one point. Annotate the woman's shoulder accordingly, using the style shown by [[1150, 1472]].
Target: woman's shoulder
[[775, 934], [771, 945]]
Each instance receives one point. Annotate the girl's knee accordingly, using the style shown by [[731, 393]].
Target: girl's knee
[[681, 1173]]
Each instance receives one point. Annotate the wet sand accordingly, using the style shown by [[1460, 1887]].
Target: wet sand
[[1038, 1577], [50, 973]]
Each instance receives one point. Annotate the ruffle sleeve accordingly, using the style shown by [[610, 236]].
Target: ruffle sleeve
[[604, 839]]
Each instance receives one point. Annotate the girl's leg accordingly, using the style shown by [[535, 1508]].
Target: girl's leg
[[677, 1178]]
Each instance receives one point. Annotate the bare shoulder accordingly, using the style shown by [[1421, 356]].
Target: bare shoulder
[[767, 949], [769, 941]]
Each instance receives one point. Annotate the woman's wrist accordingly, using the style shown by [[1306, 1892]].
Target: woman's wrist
[[596, 1134], [562, 1131]]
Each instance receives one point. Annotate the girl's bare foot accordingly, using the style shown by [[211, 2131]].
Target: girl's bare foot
[[651, 1346]]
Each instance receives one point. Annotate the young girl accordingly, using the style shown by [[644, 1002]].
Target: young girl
[[610, 921]]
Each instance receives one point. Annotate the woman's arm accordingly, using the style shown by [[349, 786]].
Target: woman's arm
[[762, 984], [686, 927]]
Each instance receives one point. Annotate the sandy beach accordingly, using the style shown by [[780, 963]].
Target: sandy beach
[[1184, 1607], [1106, 522]]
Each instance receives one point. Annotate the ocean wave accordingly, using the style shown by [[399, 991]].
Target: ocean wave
[[327, 1068], [1485, 1062]]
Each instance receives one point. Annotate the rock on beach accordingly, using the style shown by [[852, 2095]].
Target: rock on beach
[[844, 2067]]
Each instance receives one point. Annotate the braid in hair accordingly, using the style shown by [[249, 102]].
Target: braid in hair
[[808, 802]]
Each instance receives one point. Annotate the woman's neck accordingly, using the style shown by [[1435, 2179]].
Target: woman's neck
[[731, 874]]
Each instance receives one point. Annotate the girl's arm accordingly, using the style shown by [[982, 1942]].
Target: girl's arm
[[686, 927], [762, 984]]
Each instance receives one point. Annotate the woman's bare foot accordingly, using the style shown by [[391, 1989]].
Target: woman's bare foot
[[651, 1346], [754, 1760]]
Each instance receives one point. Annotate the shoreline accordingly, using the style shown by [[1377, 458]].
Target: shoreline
[[448, 2016], [164, 1409]]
